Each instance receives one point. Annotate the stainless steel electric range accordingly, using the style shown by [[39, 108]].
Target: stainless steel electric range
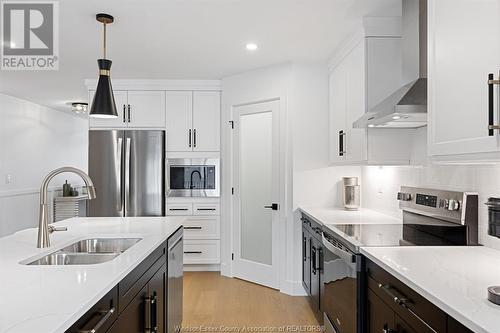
[[430, 218]]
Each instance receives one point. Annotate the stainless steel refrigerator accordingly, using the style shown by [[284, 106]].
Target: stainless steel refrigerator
[[128, 171]]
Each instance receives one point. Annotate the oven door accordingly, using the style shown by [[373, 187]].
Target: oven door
[[339, 289], [193, 177]]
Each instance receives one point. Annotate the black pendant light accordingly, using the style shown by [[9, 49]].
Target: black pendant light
[[103, 105]]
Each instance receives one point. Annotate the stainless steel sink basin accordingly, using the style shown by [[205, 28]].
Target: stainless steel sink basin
[[88, 252], [101, 245], [60, 258]]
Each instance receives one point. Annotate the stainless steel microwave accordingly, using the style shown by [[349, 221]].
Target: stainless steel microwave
[[193, 177]]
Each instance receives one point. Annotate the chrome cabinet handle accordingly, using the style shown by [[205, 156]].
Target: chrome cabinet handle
[[313, 257], [342, 151], [194, 139], [189, 137], [193, 252], [178, 209], [124, 119], [147, 314], [101, 322], [491, 104], [403, 302], [192, 228], [206, 209], [128, 113], [154, 315]]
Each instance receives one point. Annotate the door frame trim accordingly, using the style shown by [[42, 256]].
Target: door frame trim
[[281, 217]]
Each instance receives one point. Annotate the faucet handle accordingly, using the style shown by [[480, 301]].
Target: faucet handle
[[52, 228]]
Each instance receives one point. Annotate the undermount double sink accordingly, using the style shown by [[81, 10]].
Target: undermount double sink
[[88, 252]]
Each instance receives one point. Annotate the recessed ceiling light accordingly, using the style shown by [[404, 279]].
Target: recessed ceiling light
[[252, 46], [396, 117], [371, 125]]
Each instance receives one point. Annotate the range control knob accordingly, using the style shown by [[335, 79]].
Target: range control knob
[[404, 196], [453, 204]]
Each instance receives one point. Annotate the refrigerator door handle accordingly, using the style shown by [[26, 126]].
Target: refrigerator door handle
[[118, 173], [127, 176]]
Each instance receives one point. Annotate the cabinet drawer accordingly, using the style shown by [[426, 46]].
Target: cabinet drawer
[[180, 209], [202, 227], [201, 252], [419, 312], [206, 209], [137, 279], [100, 317]]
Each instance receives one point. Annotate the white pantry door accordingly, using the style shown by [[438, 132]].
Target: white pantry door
[[256, 158]]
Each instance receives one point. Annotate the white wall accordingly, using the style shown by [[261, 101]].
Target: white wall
[[33, 141], [303, 91], [381, 184]]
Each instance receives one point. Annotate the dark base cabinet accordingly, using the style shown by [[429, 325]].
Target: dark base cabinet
[[393, 307], [145, 300]]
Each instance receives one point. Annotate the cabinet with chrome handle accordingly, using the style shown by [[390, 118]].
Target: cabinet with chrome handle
[[492, 82], [342, 148]]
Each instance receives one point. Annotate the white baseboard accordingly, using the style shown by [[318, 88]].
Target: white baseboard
[[293, 288], [201, 268]]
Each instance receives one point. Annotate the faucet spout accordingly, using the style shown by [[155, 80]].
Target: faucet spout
[[44, 230]]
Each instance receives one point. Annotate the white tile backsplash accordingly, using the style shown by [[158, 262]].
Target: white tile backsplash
[[381, 184]]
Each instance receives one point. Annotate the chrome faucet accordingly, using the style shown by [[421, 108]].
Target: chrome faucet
[[44, 229]]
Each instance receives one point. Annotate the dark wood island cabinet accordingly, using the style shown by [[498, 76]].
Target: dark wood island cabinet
[[145, 300], [393, 307]]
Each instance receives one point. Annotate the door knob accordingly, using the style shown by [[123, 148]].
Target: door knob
[[274, 206]]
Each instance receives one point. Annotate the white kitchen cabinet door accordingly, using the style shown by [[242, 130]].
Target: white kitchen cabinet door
[[147, 109], [179, 121], [206, 121], [464, 47], [355, 139], [121, 104], [337, 96]]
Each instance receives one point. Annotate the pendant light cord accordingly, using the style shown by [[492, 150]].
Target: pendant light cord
[[104, 41]]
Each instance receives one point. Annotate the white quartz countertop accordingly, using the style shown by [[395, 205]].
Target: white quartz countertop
[[455, 279], [51, 298], [334, 215]]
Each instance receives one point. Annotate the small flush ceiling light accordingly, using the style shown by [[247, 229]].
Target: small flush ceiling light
[[103, 105], [79, 107], [396, 117], [252, 47], [371, 125]]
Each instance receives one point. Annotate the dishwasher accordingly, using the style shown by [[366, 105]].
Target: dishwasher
[[175, 281]]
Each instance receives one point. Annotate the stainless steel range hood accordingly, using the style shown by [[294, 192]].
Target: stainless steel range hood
[[406, 107]]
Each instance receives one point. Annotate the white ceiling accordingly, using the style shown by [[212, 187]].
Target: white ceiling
[[188, 39]]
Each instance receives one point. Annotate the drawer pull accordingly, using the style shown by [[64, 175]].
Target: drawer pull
[[101, 322], [192, 228], [403, 302], [193, 252], [206, 209], [178, 209], [147, 314]]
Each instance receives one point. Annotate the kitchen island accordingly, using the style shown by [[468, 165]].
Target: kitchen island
[[52, 298]]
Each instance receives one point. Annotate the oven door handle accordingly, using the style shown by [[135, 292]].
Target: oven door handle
[[344, 255]]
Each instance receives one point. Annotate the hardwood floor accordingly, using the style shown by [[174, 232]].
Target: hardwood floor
[[213, 303]]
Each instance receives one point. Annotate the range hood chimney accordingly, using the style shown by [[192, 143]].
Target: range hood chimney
[[406, 107]]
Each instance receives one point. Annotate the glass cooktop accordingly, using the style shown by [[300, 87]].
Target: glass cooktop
[[370, 234]]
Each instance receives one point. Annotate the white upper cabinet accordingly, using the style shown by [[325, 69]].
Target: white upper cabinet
[[464, 47], [179, 121], [147, 109], [121, 108], [367, 71], [206, 121], [193, 121], [136, 109]]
